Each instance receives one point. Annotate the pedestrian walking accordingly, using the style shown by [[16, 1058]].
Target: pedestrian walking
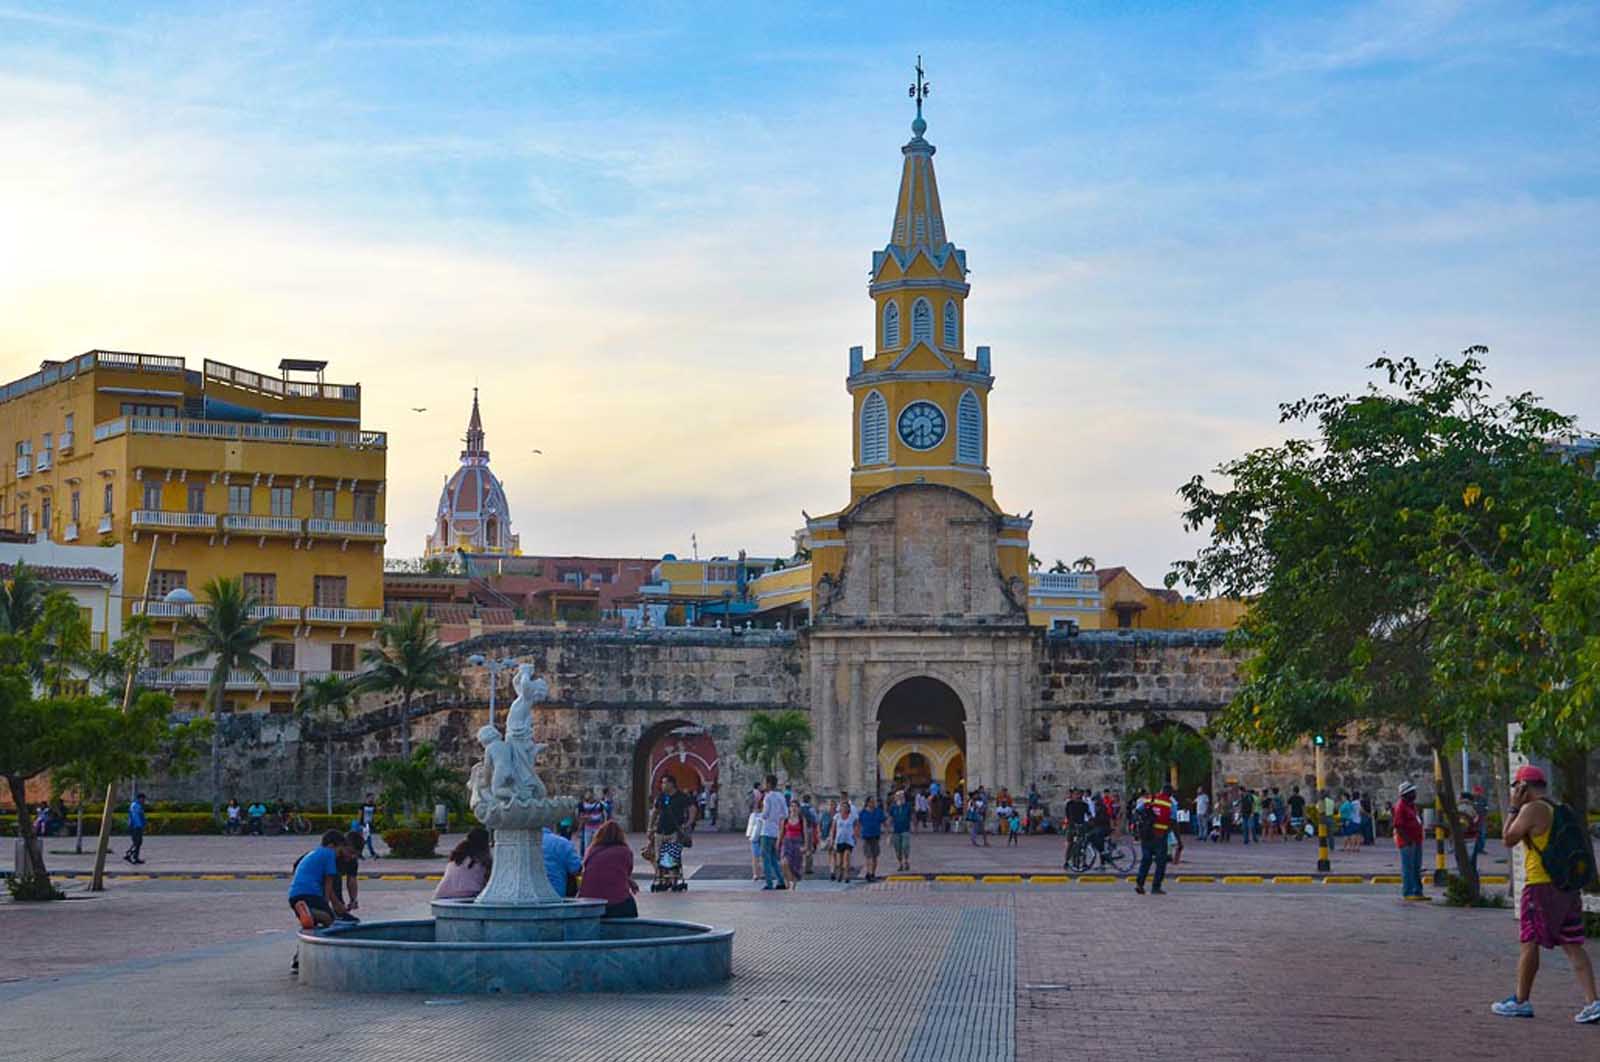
[[1154, 819], [369, 823], [1247, 816], [135, 830], [808, 847], [870, 822], [1202, 814], [1408, 838], [1297, 814], [844, 838], [900, 830], [792, 845], [1558, 863], [774, 809], [752, 833]]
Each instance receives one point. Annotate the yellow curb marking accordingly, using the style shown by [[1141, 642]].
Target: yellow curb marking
[[261, 877], [1197, 879], [1098, 879], [1243, 879], [397, 877], [130, 877], [904, 877], [1494, 879], [216, 877], [1050, 879], [1418, 899], [1294, 879], [1002, 879], [954, 877], [1386, 879], [1344, 879], [433, 877]]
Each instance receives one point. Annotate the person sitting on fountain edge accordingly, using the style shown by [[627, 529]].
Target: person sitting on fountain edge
[[608, 872], [561, 860]]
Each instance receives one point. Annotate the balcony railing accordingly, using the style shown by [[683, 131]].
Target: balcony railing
[[108, 359], [262, 525], [272, 385], [1066, 582], [24, 465], [164, 610], [329, 614], [345, 528], [200, 677], [160, 518], [46, 459], [247, 432], [276, 613], [105, 523], [66, 441]]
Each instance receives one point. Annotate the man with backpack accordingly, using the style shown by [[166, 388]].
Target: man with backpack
[[1153, 818], [1558, 860]]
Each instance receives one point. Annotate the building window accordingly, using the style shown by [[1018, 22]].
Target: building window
[[969, 430], [68, 429], [891, 325], [152, 494], [197, 497], [327, 591], [874, 430], [952, 326], [49, 444], [108, 500], [282, 501], [344, 656], [44, 516], [77, 510], [164, 581], [322, 504], [921, 322], [24, 519], [162, 652], [263, 586], [145, 409], [283, 656], [491, 533], [239, 500], [366, 505]]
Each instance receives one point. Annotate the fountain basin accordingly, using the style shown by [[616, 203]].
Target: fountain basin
[[622, 955]]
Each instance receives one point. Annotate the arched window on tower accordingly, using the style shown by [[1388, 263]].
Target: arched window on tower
[[952, 326], [891, 325], [491, 533], [921, 321], [969, 430], [874, 430]]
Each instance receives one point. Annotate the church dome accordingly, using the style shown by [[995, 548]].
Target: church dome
[[473, 513]]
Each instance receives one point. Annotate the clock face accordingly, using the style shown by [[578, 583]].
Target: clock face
[[921, 425]]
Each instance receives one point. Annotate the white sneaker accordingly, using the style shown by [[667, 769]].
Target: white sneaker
[[1589, 1015], [1510, 1008]]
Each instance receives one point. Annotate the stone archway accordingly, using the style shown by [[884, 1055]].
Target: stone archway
[[675, 747], [923, 717]]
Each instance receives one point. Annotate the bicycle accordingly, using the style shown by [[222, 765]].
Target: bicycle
[[1110, 855]]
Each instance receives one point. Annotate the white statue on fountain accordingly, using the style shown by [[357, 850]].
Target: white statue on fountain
[[508, 797]]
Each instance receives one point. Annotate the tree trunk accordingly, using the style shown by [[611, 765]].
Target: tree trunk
[[79, 846], [216, 753], [30, 844], [329, 743], [103, 843], [1572, 776], [405, 727], [1447, 796], [1502, 778]]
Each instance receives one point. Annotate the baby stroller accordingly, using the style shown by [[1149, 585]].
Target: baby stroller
[[667, 859]]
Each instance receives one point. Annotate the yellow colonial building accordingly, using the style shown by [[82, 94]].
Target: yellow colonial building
[[219, 471]]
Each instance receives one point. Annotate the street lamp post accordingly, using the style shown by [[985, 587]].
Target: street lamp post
[[495, 666]]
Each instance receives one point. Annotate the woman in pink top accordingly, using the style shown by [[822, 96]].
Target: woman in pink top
[[608, 873], [468, 869]]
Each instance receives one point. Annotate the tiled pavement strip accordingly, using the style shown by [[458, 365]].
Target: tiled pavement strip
[[909, 973]]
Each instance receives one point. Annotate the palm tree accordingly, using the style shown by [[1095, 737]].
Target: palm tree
[[21, 600], [226, 635], [419, 780], [777, 739], [1034, 562], [1154, 757], [1084, 563], [407, 660], [325, 702], [64, 640], [1059, 567]]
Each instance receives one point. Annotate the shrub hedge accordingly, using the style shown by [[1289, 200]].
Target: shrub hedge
[[170, 822], [409, 843]]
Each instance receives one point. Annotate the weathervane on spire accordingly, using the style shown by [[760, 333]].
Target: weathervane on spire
[[919, 91]]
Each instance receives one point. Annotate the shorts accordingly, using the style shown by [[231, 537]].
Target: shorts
[[870, 846], [1550, 917], [843, 847], [315, 902], [902, 844]]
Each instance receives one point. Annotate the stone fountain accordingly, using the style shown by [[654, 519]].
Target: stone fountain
[[518, 935]]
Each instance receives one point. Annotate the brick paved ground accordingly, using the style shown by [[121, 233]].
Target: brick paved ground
[[921, 972], [935, 853]]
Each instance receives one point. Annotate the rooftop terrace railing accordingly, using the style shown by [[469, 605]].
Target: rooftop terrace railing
[[249, 432], [279, 388]]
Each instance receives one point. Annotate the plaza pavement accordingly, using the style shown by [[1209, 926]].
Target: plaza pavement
[[913, 972]]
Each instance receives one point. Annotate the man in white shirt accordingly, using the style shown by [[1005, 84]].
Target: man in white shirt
[[774, 809], [1202, 814]]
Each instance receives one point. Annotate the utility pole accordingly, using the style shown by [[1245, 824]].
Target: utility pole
[[1324, 860]]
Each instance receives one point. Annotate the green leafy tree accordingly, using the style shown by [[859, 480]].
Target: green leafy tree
[[777, 740], [408, 659], [1159, 755], [21, 600], [225, 638], [419, 781], [325, 703], [64, 641], [1341, 543]]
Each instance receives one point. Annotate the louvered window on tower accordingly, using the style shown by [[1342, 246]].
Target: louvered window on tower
[[891, 325], [969, 430], [921, 229], [874, 430], [952, 327], [921, 321]]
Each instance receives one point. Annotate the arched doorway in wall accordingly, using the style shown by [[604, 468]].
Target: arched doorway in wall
[[922, 735], [678, 748], [1161, 749]]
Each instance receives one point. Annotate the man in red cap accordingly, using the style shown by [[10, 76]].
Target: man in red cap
[[1408, 838], [1550, 917]]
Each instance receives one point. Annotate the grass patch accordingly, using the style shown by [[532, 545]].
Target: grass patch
[[1457, 894]]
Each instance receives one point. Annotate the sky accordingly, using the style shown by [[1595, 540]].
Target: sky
[[644, 231]]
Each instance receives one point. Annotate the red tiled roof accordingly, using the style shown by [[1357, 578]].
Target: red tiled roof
[[54, 573], [1107, 574]]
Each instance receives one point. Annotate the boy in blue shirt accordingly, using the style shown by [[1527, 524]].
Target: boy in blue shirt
[[311, 890], [871, 822], [135, 830]]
